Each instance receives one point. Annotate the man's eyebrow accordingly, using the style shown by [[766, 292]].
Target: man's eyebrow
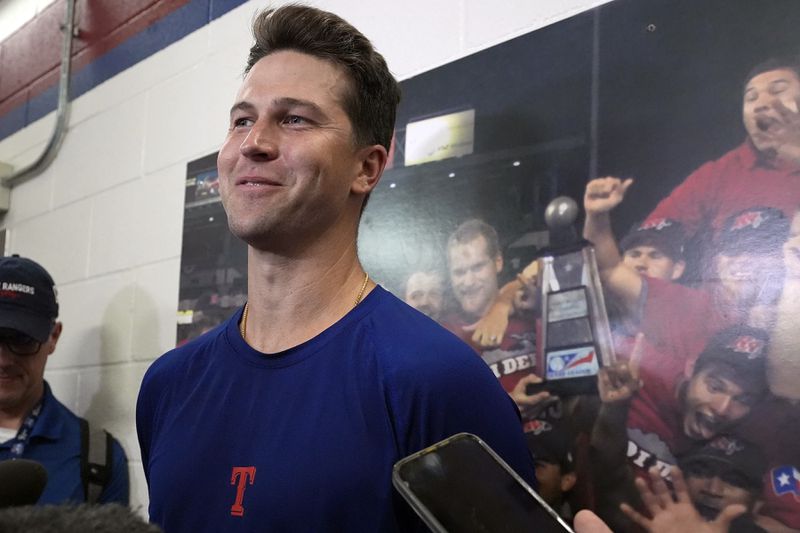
[[242, 106], [288, 101], [779, 80], [284, 101]]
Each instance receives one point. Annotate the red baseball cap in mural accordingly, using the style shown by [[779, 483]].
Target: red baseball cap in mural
[[757, 230], [743, 350], [663, 234], [28, 300]]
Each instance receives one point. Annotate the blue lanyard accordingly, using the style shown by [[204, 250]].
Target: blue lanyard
[[20, 442]]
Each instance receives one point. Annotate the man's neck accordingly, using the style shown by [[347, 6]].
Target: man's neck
[[788, 157], [293, 299]]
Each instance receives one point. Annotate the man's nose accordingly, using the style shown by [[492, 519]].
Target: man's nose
[[5, 354], [763, 102], [722, 404], [468, 279], [640, 265], [260, 142], [716, 486]]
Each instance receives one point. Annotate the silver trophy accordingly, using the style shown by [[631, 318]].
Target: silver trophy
[[575, 336]]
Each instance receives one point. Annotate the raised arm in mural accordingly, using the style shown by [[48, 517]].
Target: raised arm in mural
[[516, 296], [601, 197], [612, 476]]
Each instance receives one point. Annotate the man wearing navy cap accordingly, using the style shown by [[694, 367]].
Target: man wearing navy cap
[[655, 248], [722, 472], [33, 423], [552, 445]]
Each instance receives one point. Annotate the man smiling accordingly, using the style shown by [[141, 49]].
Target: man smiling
[[290, 416]]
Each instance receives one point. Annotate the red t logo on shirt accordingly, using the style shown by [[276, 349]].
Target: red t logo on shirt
[[241, 475]]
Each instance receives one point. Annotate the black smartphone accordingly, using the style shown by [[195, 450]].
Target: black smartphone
[[460, 485]]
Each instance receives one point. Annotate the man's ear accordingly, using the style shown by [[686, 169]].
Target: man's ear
[[372, 161], [498, 263], [568, 481], [54, 336], [757, 505], [677, 270], [688, 369]]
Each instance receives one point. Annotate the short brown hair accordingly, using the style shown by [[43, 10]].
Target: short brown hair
[[791, 63], [371, 104], [472, 229]]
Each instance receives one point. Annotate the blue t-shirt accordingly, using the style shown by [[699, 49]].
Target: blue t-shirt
[[305, 440], [55, 442]]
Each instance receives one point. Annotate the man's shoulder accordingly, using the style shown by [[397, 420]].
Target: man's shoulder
[[193, 352], [742, 157], [395, 318], [672, 293], [54, 413], [404, 335]]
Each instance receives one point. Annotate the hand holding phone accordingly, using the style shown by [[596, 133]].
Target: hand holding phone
[[460, 485]]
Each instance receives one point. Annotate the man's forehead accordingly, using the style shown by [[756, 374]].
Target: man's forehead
[[736, 381], [644, 249], [292, 74], [475, 248], [425, 279], [772, 76]]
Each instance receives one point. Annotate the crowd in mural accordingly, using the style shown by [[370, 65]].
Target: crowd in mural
[[706, 368]]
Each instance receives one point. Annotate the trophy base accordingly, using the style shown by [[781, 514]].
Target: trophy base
[[565, 387]]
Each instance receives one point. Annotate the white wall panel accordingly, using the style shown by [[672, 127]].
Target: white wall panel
[[107, 397], [233, 31], [111, 144], [32, 198], [177, 126], [58, 239], [138, 222], [15, 13], [412, 36], [493, 22], [64, 384], [141, 78], [155, 309], [97, 315]]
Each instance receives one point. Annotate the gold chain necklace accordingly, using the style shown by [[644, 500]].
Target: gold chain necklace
[[243, 325]]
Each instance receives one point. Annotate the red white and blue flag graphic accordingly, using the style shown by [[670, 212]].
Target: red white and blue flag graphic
[[786, 480]]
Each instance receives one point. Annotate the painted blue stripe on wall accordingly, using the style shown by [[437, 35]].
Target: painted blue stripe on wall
[[157, 36]]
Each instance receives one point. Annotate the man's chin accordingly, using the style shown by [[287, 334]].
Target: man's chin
[[697, 430], [707, 511], [766, 147], [472, 309]]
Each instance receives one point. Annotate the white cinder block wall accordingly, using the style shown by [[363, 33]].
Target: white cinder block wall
[[106, 217]]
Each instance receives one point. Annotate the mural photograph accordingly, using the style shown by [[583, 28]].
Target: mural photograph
[[647, 319]]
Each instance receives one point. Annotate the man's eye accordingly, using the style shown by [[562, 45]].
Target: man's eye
[[294, 119], [242, 122], [747, 400], [778, 87], [716, 386]]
